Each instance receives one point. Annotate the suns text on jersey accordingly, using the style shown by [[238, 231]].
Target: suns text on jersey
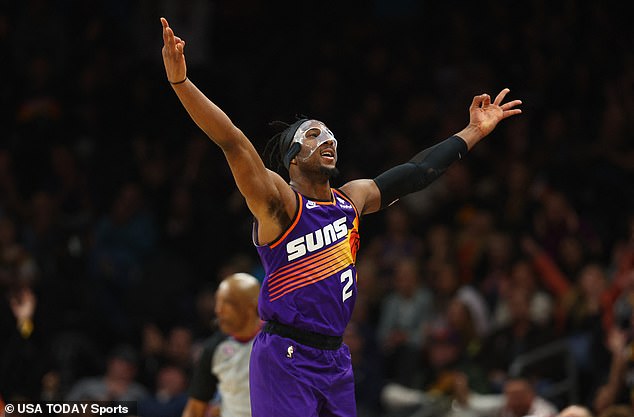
[[316, 240]]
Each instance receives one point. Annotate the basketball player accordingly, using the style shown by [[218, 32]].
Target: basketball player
[[306, 234], [223, 367]]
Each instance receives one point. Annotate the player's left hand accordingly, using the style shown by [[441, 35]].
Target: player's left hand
[[484, 115]]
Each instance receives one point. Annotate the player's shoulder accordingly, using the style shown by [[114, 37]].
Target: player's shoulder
[[358, 186], [364, 194]]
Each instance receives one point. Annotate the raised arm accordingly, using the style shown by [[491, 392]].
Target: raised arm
[[268, 196], [372, 195]]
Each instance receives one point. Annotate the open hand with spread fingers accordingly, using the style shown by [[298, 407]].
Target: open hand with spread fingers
[[484, 116], [173, 55]]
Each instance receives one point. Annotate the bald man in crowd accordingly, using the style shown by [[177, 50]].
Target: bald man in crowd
[[223, 368]]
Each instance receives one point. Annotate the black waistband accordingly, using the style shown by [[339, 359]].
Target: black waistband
[[316, 340]]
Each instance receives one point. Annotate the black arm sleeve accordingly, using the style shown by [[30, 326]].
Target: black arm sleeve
[[204, 382], [420, 171]]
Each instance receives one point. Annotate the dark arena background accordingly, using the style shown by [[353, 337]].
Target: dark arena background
[[118, 217]]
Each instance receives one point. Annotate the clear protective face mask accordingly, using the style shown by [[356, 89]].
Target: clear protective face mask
[[311, 135]]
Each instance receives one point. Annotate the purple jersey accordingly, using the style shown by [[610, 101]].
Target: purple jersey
[[311, 279]]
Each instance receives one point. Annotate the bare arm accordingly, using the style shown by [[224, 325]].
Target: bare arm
[[365, 195], [266, 193], [372, 195]]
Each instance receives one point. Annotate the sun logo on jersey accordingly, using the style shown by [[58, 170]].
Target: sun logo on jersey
[[289, 352], [353, 239]]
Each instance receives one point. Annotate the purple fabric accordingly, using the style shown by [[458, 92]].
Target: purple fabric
[[288, 379], [310, 280]]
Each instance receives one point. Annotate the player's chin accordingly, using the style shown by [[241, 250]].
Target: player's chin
[[330, 171]]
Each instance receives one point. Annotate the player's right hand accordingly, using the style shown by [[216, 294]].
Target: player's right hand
[[173, 54]]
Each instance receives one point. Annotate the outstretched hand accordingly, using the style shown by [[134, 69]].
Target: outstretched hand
[[173, 55], [484, 115]]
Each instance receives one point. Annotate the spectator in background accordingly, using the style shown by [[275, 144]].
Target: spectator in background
[[521, 335], [522, 275], [476, 227], [618, 386], [396, 242], [583, 308], [22, 357], [447, 199], [519, 399], [494, 266], [446, 286], [170, 395], [405, 313], [152, 354], [517, 203], [23, 349], [116, 384], [581, 299], [439, 240], [444, 364], [44, 237], [459, 318], [555, 222], [373, 288], [178, 347], [123, 240], [446, 359]]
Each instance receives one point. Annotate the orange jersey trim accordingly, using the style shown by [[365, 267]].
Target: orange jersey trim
[[345, 197], [314, 269], [309, 260], [326, 203], [313, 279], [300, 206]]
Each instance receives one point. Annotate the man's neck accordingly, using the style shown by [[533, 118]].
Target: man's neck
[[312, 189]]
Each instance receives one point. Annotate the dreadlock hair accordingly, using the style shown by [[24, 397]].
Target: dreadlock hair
[[280, 148]]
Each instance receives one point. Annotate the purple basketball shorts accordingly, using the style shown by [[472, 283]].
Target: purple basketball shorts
[[288, 379]]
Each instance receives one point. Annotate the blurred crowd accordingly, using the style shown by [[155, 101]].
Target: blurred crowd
[[118, 218]]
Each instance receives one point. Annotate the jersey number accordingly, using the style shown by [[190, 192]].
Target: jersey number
[[348, 278]]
